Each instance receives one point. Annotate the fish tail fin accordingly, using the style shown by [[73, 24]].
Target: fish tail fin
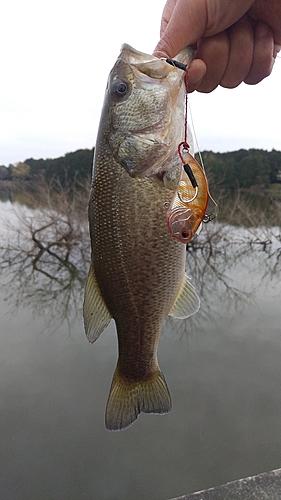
[[128, 399]]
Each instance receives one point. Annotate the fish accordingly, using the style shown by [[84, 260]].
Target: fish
[[137, 272]]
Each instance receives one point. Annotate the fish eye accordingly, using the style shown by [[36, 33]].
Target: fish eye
[[120, 88]]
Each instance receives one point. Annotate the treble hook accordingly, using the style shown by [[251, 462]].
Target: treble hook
[[209, 217]]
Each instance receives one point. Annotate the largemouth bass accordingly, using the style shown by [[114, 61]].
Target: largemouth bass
[[137, 275]]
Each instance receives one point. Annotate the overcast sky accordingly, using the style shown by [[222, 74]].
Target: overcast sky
[[55, 59]]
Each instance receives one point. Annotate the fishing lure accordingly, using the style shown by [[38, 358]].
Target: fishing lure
[[187, 209], [189, 204]]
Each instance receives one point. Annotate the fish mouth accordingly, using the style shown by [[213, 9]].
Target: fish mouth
[[134, 56], [148, 63], [151, 66]]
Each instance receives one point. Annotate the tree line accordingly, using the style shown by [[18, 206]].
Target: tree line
[[68, 169], [232, 170], [243, 168]]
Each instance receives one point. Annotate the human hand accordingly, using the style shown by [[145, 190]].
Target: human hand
[[236, 40]]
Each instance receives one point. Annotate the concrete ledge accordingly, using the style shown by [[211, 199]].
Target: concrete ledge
[[265, 486]]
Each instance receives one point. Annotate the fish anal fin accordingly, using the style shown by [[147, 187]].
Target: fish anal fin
[[96, 314], [187, 301], [128, 399]]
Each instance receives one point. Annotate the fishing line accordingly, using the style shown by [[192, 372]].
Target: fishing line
[[195, 137], [185, 146], [212, 216], [182, 66], [185, 215]]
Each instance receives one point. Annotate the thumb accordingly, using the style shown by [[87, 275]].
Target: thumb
[[184, 22], [181, 25]]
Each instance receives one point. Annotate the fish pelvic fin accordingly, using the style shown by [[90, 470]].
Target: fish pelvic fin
[[96, 314], [128, 399], [187, 301]]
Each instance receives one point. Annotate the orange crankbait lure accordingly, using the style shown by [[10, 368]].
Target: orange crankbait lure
[[188, 207], [189, 204]]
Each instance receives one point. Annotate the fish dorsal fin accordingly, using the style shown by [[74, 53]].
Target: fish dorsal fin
[[187, 301], [96, 314]]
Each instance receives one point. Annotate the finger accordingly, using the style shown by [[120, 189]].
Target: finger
[[196, 73], [241, 49], [183, 25], [222, 14], [167, 14], [268, 11], [263, 59], [186, 21], [214, 52]]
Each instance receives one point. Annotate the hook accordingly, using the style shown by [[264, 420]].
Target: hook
[[209, 217], [187, 200]]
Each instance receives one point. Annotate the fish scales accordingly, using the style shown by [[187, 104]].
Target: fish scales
[[138, 270], [154, 270]]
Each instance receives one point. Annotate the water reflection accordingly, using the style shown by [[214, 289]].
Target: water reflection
[[224, 381], [45, 255], [44, 261]]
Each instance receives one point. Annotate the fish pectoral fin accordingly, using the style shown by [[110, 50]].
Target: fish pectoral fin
[[96, 314], [187, 301], [128, 399]]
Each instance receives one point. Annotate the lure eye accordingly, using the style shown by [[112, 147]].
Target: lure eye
[[181, 223], [185, 234], [120, 88]]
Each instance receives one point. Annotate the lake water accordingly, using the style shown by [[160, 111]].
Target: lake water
[[223, 369]]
